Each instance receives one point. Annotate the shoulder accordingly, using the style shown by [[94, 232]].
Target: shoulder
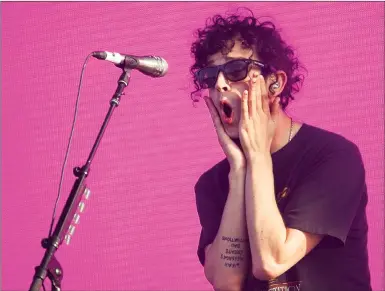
[[319, 151], [327, 137], [326, 143]]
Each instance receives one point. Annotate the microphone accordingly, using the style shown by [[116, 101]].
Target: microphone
[[149, 65]]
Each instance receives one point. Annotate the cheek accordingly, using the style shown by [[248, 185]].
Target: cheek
[[240, 87], [212, 93]]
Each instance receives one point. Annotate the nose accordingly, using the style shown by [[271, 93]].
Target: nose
[[222, 85]]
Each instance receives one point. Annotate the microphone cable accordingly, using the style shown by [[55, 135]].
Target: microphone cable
[[68, 146]]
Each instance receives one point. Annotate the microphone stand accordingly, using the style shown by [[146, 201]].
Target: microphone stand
[[49, 265]]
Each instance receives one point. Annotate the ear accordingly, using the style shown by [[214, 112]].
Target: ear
[[276, 83]]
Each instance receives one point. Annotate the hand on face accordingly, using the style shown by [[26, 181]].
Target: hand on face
[[257, 124], [230, 148], [246, 116]]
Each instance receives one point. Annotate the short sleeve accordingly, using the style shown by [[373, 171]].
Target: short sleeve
[[209, 211], [326, 200]]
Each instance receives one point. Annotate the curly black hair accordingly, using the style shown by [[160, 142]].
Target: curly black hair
[[262, 36]]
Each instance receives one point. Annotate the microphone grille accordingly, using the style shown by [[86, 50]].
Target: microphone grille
[[163, 66]]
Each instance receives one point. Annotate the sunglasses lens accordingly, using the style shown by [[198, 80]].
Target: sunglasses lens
[[236, 70], [207, 77]]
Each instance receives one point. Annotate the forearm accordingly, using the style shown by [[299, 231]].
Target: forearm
[[228, 257], [266, 228]]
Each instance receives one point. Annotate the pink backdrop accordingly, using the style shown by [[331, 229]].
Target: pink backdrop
[[140, 228]]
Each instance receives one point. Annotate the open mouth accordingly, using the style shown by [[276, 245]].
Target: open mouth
[[227, 112]]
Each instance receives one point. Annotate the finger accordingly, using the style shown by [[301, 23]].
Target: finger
[[255, 95], [244, 138], [264, 96], [245, 106], [251, 97]]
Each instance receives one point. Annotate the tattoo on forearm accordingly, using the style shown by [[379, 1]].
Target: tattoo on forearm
[[234, 253], [234, 239]]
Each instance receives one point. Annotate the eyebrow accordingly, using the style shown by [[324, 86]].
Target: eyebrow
[[210, 63]]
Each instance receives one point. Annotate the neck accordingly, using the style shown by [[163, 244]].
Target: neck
[[282, 131]]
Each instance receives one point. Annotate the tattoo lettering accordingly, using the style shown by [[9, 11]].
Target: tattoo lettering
[[234, 239], [234, 253], [232, 258]]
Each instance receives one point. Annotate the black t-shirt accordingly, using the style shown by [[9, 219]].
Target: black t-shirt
[[320, 188]]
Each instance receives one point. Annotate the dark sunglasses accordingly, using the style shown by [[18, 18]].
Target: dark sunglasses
[[234, 71]]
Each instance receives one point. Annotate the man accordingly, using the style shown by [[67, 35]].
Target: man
[[286, 209]]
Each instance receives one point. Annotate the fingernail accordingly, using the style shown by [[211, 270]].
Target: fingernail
[[254, 80]]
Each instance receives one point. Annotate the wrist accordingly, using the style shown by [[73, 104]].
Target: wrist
[[260, 160], [237, 179], [238, 168], [237, 173]]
